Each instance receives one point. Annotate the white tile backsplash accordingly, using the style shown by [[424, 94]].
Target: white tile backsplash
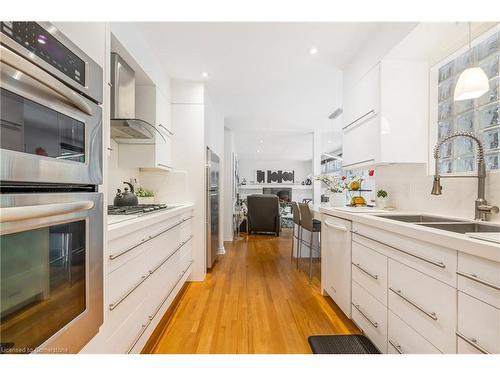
[[409, 188]]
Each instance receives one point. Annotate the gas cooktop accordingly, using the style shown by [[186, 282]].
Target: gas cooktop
[[134, 210]]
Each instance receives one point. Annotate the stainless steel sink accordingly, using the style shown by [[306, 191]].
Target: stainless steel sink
[[463, 227], [418, 218]]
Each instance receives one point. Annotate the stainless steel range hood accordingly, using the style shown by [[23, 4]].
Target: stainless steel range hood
[[125, 127]]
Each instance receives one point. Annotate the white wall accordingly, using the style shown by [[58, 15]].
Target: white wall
[[409, 188], [229, 199], [188, 121], [248, 167]]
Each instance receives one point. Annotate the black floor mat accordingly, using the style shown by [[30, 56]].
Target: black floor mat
[[342, 344]]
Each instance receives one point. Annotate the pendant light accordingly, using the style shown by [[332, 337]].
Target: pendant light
[[473, 81]]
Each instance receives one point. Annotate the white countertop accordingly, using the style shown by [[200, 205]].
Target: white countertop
[[119, 224], [456, 241]]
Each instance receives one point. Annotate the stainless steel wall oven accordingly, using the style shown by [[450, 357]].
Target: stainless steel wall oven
[[51, 213]]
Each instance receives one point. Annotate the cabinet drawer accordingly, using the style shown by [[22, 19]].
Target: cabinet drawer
[[480, 278], [122, 249], [122, 340], [436, 261], [425, 304], [370, 316], [369, 269], [125, 304], [402, 339], [125, 279], [478, 324]]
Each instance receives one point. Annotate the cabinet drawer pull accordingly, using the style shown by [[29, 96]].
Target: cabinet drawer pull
[[430, 261], [114, 305], [365, 271], [472, 342], [396, 346], [139, 335], [335, 226], [152, 316], [473, 277], [144, 240], [375, 324], [154, 269], [358, 119], [431, 315]]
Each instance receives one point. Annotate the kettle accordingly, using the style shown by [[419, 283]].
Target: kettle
[[126, 198]]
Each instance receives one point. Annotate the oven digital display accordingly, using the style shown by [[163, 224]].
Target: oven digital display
[[39, 41]]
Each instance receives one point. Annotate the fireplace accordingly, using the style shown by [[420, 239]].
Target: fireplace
[[284, 194]]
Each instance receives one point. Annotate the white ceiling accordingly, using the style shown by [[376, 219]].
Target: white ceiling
[[262, 77]]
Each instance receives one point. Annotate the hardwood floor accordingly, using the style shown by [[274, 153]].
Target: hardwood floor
[[254, 301]]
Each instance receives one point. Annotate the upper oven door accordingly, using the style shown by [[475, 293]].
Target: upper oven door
[[51, 279], [49, 133]]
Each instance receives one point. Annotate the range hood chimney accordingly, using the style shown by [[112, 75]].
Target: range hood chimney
[[125, 127]]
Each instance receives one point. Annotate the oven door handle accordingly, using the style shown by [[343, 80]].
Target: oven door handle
[[10, 214], [33, 73]]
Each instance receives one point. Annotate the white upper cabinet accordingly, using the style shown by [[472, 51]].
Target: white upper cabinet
[[152, 106], [386, 115]]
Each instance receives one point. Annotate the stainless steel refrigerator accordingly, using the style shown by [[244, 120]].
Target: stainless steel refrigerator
[[212, 209]]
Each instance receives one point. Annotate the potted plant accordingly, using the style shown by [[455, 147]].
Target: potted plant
[[336, 187], [145, 196], [381, 201]]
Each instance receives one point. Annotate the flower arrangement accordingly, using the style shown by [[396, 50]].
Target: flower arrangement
[[335, 183]]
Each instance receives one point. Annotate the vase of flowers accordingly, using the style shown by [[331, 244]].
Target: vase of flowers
[[145, 196], [336, 187], [381, 200]]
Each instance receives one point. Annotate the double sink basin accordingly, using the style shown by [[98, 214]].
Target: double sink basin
[[442, 223]]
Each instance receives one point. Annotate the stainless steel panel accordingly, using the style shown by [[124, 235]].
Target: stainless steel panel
[[464, 227], [123, 89], [212, 207], [74, 335]]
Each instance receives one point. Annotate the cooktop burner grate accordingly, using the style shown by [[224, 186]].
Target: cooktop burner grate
[[139, 209]]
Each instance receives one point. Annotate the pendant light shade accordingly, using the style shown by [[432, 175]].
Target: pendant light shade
[[472, 83]]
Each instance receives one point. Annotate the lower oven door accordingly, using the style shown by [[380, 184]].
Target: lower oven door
[[51, 271]]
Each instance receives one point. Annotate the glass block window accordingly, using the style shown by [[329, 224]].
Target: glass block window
[[480, 116]]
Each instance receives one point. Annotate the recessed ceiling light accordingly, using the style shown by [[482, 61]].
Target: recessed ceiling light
[[261, 141], [313, 51], [258, 151], [204, 75]]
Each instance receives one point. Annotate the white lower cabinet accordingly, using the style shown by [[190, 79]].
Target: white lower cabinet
[[478, 329], [336, 261], [412, 296], [424, 303], [142, 282], [402, 339], [370, 316], [480, 278], [369, 269]]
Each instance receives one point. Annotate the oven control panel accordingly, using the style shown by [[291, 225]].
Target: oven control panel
[[43, 44]]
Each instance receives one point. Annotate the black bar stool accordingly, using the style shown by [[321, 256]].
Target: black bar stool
[[296, 234], [313, 226]]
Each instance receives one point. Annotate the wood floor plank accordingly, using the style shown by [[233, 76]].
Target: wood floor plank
[[254, 301]]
